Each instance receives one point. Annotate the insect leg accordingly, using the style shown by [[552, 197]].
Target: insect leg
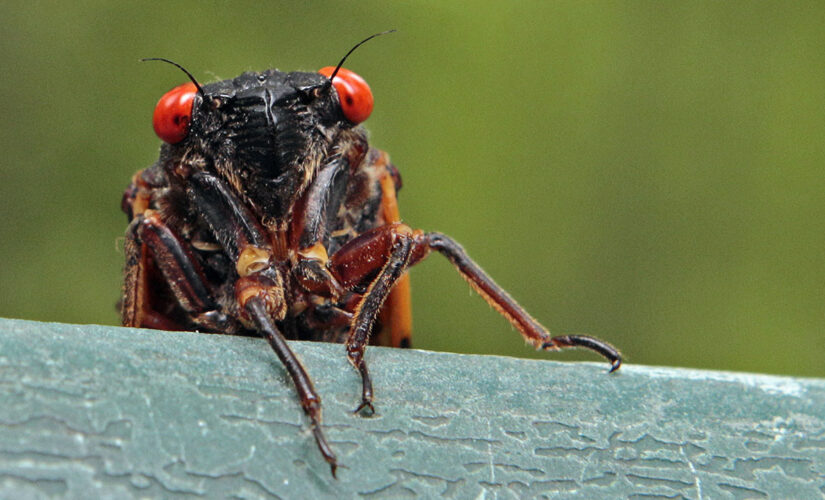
[[532, 331], [310, 401], [347, 178], [311, 231], [379, 257], [259, 291], [149, 237], [235, 228]]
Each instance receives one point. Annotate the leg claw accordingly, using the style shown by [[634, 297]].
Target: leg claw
[[365, 409]]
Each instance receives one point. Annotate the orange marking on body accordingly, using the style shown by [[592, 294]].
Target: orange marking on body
[[396, 314], [140, 203], [389, 201]]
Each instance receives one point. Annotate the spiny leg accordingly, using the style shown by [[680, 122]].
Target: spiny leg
[[148, 237], [348, 178], [368, 310], [380, 256], [311, 228], [531, 329], [310, 401], [259, 290], [375, 259]]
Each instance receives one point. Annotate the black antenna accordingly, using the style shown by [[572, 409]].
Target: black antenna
[[173, 63], [362, 42]]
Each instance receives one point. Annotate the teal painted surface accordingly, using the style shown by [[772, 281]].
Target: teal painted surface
[[93, 411], [647, 172]]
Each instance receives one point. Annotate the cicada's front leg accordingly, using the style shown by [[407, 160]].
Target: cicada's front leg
[[164, 286], [151, 244], [385, 253], [259, 291], [380, 256], [373, 177], [311, 231]]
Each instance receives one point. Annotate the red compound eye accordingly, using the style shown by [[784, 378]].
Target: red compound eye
[[173, 112], [354, 93]]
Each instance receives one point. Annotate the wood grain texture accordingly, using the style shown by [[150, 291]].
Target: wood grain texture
[[105, 412]]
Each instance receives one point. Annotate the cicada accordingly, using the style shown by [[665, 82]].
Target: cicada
[[269, 213]]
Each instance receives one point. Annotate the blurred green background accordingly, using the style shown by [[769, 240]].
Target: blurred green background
[[647, 172]]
